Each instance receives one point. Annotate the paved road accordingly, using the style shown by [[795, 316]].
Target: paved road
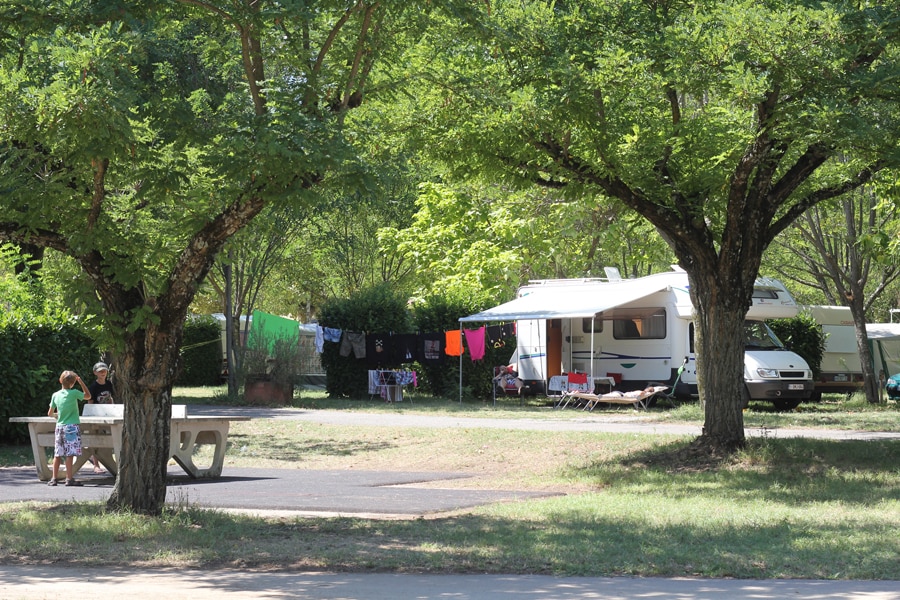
[[52, 582], [377, 494]]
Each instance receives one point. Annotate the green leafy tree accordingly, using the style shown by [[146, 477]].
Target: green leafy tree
[[138, 139], [242, 271], [720, 123], [844, 252], [493, 239]]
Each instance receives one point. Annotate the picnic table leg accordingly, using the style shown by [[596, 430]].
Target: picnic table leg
[[40, 454], [183, 441]]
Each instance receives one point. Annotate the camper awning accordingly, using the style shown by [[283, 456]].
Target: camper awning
[[565, 304]]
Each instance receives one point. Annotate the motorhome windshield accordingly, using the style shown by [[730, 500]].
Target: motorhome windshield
[[758, 336]]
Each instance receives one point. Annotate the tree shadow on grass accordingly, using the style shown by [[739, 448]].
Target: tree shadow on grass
[[290, 450], [796, 471]]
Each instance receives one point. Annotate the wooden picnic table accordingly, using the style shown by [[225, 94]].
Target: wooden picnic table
[[101, 435]]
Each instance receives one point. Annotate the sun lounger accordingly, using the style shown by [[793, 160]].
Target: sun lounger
[[639, 398]]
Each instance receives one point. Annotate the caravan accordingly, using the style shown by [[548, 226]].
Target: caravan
[[841, 370], [640, 332]]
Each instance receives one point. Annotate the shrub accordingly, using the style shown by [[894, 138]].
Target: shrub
[[804, 336], [32, 355], [39, 339], [442, 313], [201, 352], [376, 309]]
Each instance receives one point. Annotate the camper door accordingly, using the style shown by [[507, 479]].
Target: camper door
[[531, 338]]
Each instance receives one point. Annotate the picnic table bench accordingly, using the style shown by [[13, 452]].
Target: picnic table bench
[[101, 435]]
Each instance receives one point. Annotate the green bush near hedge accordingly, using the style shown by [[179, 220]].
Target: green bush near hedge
[[201, 352], [379, 309], [32, 356], [804, 336], [39, 339]]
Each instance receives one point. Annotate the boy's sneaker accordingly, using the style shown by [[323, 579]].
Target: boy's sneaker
[[52, 482], [72, 483]]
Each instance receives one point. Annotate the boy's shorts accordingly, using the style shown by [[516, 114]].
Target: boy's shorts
[[67, 440]]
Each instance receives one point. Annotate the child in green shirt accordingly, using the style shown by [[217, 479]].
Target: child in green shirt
[[68, 424]]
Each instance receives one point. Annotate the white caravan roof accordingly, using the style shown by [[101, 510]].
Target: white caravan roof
[[883, 331], [579, 298], [575, 298]]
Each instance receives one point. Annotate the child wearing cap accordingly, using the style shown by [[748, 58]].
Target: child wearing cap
[[101, 390], [101, 393]]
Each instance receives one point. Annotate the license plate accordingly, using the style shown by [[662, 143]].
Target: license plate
[[795, 386]]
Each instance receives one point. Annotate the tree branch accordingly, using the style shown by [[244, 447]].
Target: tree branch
[[863, 177], [99, 194]]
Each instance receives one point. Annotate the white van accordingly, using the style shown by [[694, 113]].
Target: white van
[[640, 331]]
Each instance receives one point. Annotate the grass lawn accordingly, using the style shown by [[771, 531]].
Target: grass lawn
[[631, 504]]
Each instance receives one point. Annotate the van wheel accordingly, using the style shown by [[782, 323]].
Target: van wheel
[[786, 404], [745, 397]]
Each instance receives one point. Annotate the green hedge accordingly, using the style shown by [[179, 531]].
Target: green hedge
[[201, 352], [442, 313], [376, 309], [32, 356], [379, 309], [804, 336]]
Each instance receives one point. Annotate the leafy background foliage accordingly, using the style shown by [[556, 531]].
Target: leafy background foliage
[[201, 352], [38, 341]]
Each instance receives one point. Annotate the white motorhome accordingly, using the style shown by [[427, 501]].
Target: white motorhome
[[840, 371], [640, 331]]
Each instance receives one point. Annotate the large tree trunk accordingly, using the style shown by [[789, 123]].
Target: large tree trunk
[[719, 343], [146, 371]]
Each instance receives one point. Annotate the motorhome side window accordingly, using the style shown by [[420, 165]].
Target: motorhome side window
[[588, 322], [649, 327], [765, 293]]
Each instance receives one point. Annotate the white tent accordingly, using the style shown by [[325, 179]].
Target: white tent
[[884, 342]]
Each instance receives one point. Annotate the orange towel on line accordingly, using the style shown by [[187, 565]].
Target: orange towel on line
[[454, 343]]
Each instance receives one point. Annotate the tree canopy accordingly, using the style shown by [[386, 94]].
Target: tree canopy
[[719, 122], [138, 139]]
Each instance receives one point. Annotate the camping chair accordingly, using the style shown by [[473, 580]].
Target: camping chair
[[640, 399], [506, 381], [575, 383]]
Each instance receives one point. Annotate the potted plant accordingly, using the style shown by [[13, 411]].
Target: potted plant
[[270, 372]]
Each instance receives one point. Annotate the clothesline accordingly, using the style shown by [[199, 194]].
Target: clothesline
[[388, 349]]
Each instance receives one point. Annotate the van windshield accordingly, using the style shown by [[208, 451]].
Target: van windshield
[[758, 336]]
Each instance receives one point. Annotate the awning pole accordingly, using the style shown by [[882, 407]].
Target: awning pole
[[461, 351], [593, 322]]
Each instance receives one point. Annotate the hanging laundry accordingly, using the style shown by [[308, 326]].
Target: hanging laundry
[[379, 350], [494, 336], [354, 341], [431, 348], [454, 343], [405, 348], [405, 377], [508, 330], [374, 388], [332, 334], [320, 339], [475, 342]]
